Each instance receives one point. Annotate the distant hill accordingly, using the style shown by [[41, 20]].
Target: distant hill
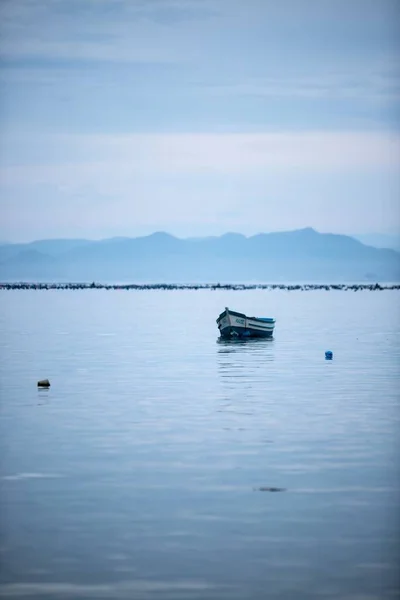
[[380, 240], [54, 247], [300, 255]]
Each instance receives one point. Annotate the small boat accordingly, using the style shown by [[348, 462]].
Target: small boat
[[233, 324]]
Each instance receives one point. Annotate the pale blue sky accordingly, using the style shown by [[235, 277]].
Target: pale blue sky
[[123, 117]]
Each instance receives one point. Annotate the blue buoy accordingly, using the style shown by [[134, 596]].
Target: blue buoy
[[328, 355]]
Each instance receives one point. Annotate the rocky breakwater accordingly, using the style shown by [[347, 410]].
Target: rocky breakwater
[[205, 286]]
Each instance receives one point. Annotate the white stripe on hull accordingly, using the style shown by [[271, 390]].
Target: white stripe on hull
[[257, 325]]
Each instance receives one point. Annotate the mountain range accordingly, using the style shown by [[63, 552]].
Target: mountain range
[[300, 255]]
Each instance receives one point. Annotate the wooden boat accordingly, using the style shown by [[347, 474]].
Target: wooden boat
[[233, 324]]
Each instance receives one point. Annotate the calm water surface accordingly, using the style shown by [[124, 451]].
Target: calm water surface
[[138, 473]]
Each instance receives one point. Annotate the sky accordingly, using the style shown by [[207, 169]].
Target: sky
[[198, 117]]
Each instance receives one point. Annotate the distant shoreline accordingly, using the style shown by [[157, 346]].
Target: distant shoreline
[[201, 286]]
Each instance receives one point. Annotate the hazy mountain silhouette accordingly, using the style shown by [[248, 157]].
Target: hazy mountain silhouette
[[304, 255], [380, 240]]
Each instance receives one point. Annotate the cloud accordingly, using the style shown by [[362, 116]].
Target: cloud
[[117, 589], [305, 89], [130, 156], [200, 183], [188, 63], [372, 83], [235, 35], [100, 30]]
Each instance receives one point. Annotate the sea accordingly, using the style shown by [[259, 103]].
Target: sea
[[165, 464]]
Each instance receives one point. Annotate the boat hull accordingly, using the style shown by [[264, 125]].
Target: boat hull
[[237, 325]]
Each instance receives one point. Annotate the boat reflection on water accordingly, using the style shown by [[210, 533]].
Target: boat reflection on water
[[246, 371], [252, 345], [244, 358]]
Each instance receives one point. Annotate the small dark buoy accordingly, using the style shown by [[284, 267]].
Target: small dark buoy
[[270, 489], [45, 383], [328, 355]]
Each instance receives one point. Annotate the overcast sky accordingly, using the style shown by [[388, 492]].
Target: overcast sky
[[197, 117]]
